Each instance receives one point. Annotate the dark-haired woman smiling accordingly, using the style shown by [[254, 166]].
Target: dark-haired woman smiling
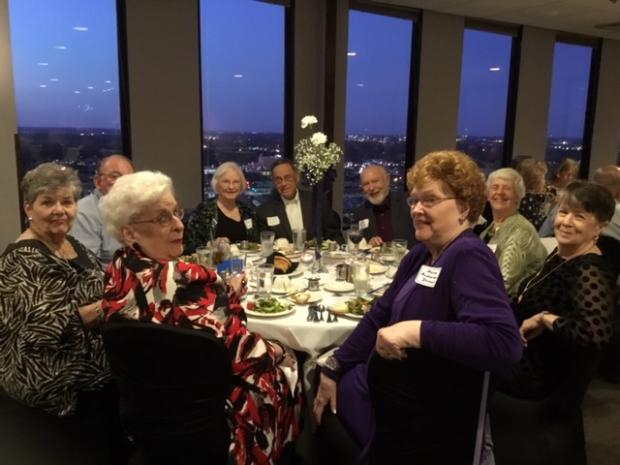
[[566, 310]]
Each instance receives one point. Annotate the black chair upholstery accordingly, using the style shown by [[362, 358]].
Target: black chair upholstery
[[93, 435], [173, 384], [547, 431], [610, 361]]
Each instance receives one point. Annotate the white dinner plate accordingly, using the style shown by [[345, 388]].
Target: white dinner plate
[[339, 287], [314, 298], [298, 272], [353, 316], [377, 268], [269, 315]]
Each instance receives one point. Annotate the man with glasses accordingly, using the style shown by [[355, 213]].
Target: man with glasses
[[291, 208], [88, 227], [384, 215]]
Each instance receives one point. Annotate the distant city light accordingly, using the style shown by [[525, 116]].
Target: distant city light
[[90, 87], [495, 68], [54, 79], [351, 54], [42, 63], [360, 84], [238, 76], [60, 47], [108, 82], [43, 85], [80, 28], [76, 91]]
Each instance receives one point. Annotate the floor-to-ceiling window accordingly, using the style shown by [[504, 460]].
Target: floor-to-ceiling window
[[65, 64], [242, 55], [485, 75], [378, 77], [569, 99]]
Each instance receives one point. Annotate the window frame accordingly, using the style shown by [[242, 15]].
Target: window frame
[[288, 91], [416, 18], [595, 44], [516, 32]]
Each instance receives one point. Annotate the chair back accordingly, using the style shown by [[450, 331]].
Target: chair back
[[173, 384], [550, 243]]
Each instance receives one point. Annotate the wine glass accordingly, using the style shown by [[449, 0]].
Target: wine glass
[[355, 236]]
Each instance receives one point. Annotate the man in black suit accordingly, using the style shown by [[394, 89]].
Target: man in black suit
[[384, 215], [291, 208]]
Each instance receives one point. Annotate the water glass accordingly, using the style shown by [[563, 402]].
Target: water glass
[[400, 249], [237, 265], [266, 241], [264, 279], [204, 257], [361, 277], [387, 256], [299, 239]]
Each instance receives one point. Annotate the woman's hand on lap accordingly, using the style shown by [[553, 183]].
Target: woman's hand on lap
[[326, 394]]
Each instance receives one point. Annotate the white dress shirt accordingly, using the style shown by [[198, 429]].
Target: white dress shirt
[[293, 212]]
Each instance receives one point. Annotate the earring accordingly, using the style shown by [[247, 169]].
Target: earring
[[30, 218]]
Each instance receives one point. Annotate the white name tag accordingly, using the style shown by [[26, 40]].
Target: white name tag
[[428, 275], [248, 223], [273, 221], [493, 247], [363, 224]]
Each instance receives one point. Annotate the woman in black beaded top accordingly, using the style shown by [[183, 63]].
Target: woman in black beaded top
[[566, 316]]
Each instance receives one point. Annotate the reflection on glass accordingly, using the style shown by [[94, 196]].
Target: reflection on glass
[[378, 68], [66, 82], [242, 59], [567, 107], [484, 97]]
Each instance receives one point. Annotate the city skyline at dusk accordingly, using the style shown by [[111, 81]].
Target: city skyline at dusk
[[66, 75]]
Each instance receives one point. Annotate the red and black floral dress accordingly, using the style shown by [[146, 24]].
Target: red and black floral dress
[[263, 410]]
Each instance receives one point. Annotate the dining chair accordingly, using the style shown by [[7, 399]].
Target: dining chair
[[173, 384]]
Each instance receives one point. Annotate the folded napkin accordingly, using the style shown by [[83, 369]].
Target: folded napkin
[[292, 375]]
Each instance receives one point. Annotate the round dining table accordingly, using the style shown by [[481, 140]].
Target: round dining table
[[304, 331]]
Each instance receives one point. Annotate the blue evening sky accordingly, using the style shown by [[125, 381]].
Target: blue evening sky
[[69, 78]]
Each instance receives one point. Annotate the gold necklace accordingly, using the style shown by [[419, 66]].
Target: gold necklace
[[56, 251]]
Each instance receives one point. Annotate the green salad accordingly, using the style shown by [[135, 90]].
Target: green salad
[[270, 305], [360, 305]]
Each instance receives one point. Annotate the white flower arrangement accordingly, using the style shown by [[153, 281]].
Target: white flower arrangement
[[314, 156]]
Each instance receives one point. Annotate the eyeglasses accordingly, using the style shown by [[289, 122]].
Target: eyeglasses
[[283, 179], [427, 202], [164, 218], [114, 175]]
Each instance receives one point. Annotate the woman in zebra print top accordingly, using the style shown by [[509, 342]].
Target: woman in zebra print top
[[50, 291]]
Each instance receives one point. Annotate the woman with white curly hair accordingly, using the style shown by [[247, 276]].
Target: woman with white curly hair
[[142, 212], [512, 237], [224, 215]]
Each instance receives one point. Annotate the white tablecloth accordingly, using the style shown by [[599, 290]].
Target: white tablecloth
[[307, 336]]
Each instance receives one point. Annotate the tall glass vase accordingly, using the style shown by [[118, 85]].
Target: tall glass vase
[[317, 220]]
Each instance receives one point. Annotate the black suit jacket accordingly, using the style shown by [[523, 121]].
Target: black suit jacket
[[274, 208], [402, 224]]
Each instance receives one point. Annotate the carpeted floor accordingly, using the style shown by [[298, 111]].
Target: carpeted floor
[[601, 411]]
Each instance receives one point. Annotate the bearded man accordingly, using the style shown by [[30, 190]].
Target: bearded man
[[384, 215]]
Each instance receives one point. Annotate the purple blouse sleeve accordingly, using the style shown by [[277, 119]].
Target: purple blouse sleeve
[[359, 345], [485, 333]]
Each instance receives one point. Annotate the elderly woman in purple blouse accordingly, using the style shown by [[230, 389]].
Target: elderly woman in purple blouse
[[408, 381]]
